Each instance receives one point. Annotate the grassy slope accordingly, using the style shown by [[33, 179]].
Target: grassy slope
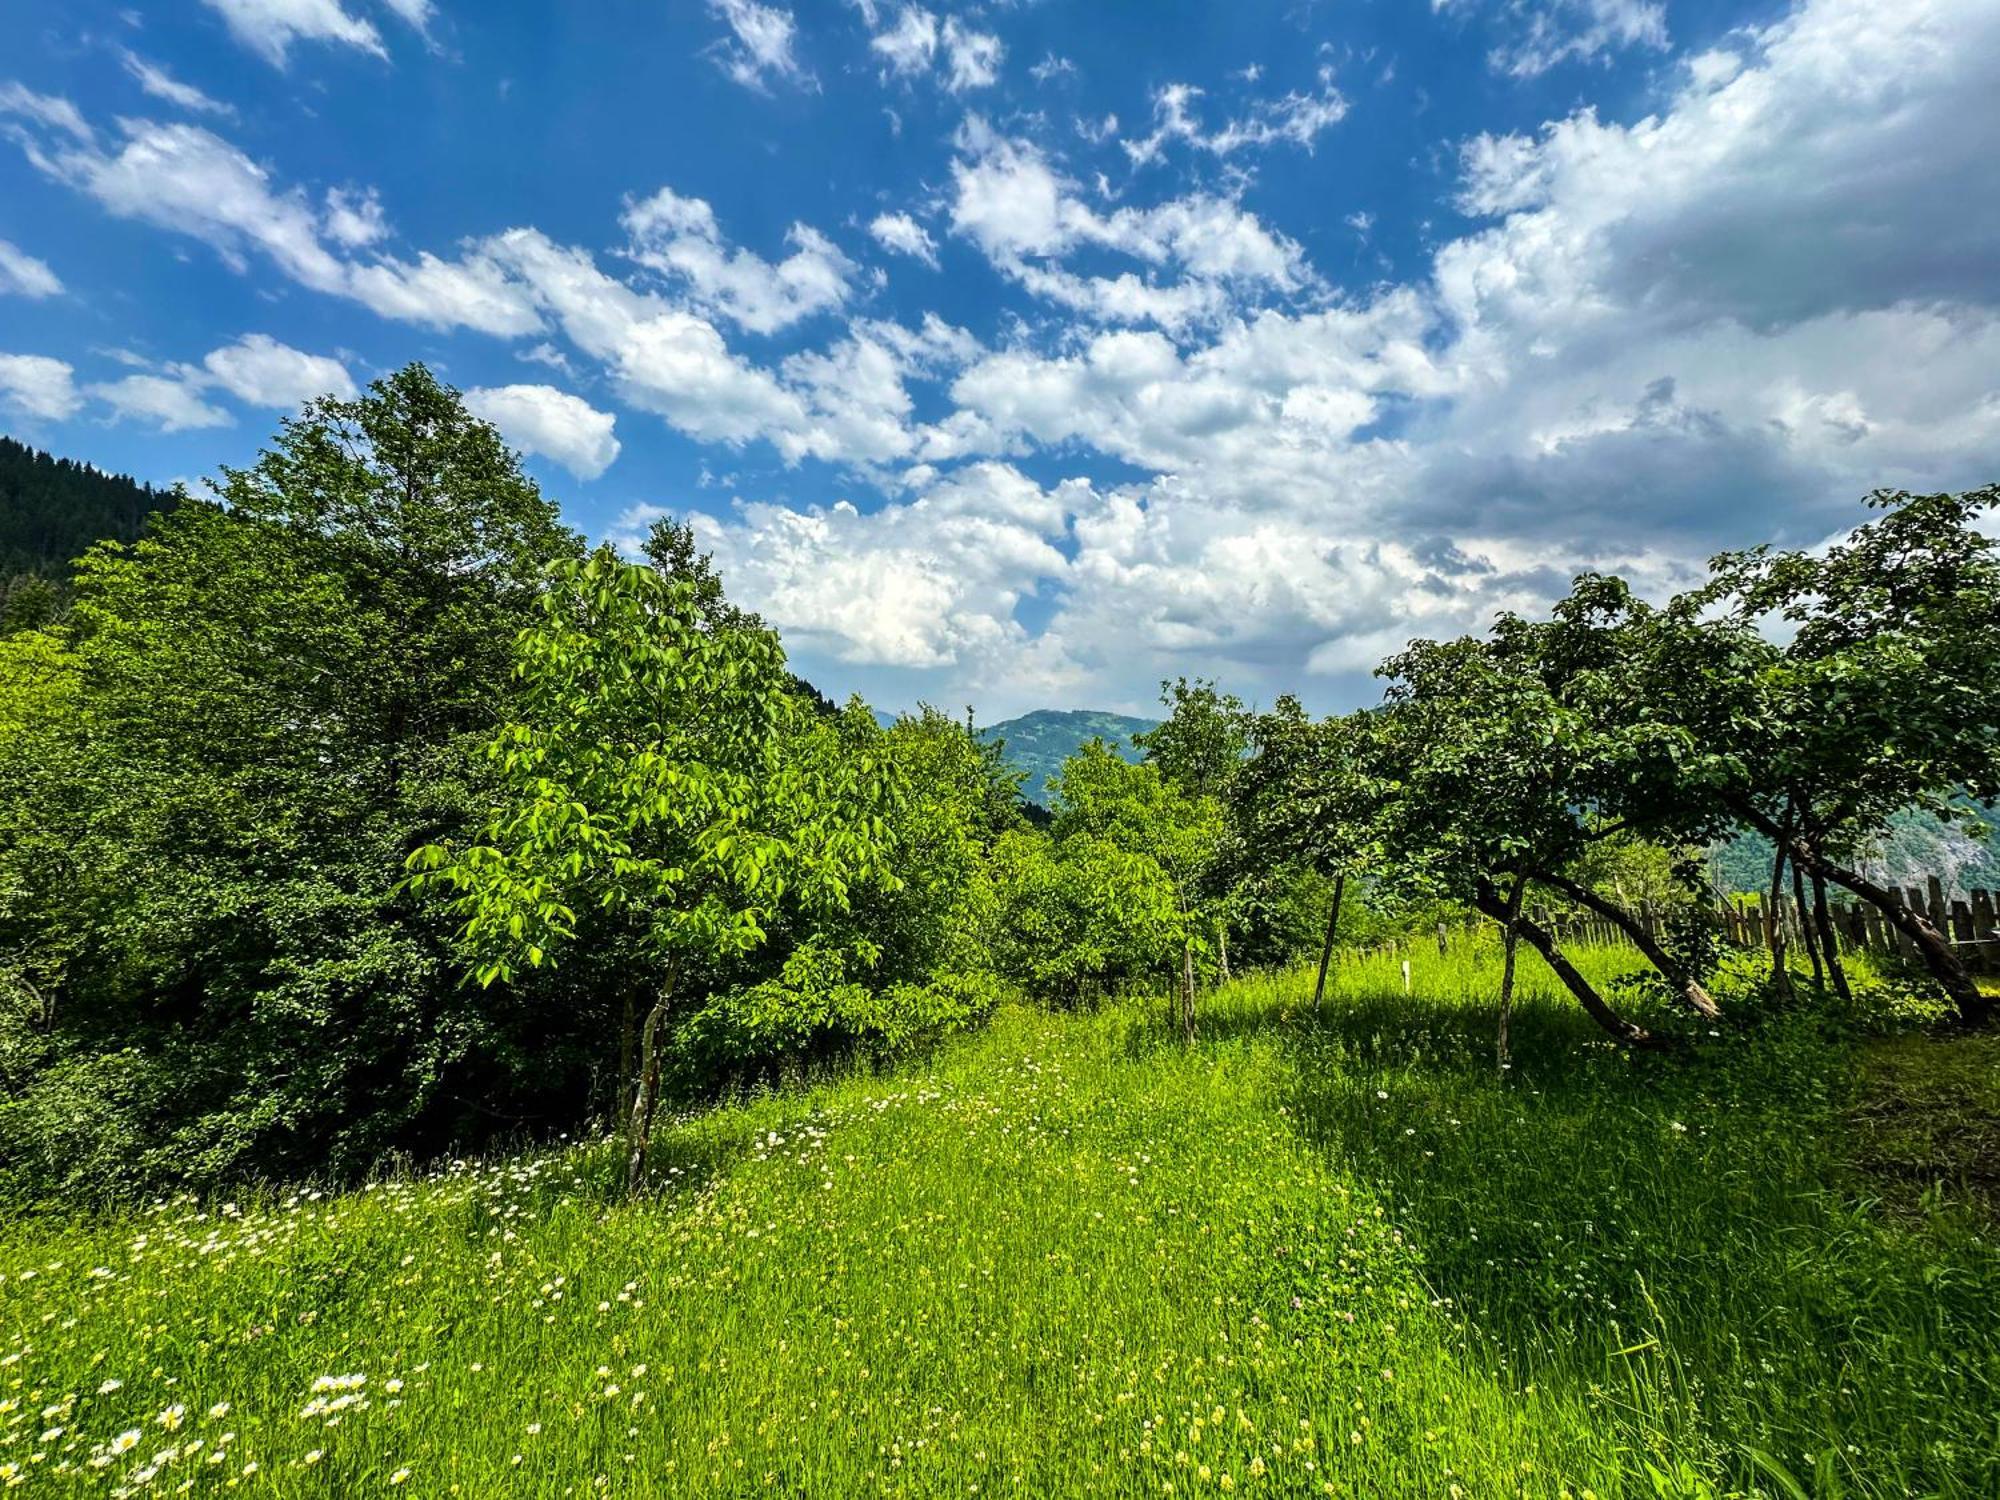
[[1065, 1257]]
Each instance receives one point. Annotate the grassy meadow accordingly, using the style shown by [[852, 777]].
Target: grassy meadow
[[1314, 1254]]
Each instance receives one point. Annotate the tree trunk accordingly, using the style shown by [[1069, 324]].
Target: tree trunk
[[646, 1093], [1945, 966], [1974, 1008], [1489, 903], [1689, 988], [1774, 924], [1829, 942], [628, 1054], [1326, 948], [1222, 948], [1806, 925], [1512, 929], [1187, 992]]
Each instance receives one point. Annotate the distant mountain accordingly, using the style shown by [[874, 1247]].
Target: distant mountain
[[1039, 742]]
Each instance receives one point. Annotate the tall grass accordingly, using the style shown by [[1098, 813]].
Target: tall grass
[[1324, 1253]]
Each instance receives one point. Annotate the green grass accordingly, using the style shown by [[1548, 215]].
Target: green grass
[[1314, 1254]]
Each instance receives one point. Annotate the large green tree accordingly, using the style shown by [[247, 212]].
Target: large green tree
[[277, 699], [656, 766]]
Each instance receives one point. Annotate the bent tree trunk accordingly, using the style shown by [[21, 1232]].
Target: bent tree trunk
[[1683, 983], [1945, 966], [1829, 943], [1326, 948], [1543, 942], [1806, 924], [646, 1092], [1974, 1008]]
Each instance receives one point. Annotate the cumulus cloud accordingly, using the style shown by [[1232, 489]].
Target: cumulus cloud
[[38, 388], [355, 218], [905, 236], [170, 403], [189, 181], [553, 423], [910, 45], [760, 42], [1012, 202], [24, 276], [919, 584], [679, 238], [260, 371]]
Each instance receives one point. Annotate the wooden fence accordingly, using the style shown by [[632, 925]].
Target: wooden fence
[[1971, 923]]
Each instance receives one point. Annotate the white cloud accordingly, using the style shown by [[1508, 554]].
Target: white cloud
[[189, 181], [1545, 33], [910, 45], [270, 27], [679, 238], [760, 42], [470, 292], [260, 371], [355, 219], [973, 57], [553, 423], [927, 583], [1011, 202], [172, 405], [161, 84], [37, 387], [1295, 119], [25, 276], [47, 109], [905, 236]]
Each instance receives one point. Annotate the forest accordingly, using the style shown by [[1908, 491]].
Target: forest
[[366, 829]]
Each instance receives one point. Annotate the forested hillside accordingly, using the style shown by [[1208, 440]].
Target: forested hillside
[[1038, 743], [51, 509]]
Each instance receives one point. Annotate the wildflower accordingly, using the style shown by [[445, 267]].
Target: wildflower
[[109, 1386], [218, 1411], [171, 1417], [126, 1441], [399, 1476], [315, 1456]]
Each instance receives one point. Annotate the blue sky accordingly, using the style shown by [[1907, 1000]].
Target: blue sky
[[1025, 353]]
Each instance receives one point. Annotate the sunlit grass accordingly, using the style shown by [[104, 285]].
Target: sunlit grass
[[1326, 1253]]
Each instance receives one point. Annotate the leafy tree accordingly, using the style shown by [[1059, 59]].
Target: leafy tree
[[1481, 765], [1082, 911], [276, 701], [1308, 795], [1137, 811], [1879, 701], [657, 768]]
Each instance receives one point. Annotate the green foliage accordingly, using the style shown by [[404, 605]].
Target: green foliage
[[263, 709]]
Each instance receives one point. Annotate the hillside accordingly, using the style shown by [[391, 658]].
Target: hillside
[[1039, 742], [51, 510], [1313, 1254]]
